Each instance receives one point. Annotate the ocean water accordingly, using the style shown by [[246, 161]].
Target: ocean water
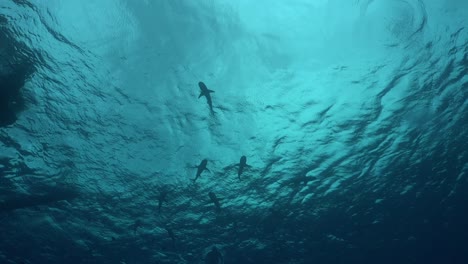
[[352, 116]]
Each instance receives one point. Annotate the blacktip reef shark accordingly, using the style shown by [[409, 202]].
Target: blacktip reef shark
[[204, 91], [161, 199], [138, 223], [242, 166], [215, 200], [171, 235], [201, 168]]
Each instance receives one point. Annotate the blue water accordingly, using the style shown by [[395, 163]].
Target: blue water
[[352, 115]]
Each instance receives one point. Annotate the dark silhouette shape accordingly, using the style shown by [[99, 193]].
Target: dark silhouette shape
[[204, 91], [242, 166], [35, 200], [11, 99], [201, 168], [171, 234], [214, 257], [136, 225], [215, 200], [15, 69], [161, 199]]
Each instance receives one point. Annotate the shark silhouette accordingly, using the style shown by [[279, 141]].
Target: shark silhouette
[[171, 235], [215, 200], [242, 166], [201, 168], [204, 91], [138, 223], [161, 199]]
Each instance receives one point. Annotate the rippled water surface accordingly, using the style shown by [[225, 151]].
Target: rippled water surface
[[352, 116]]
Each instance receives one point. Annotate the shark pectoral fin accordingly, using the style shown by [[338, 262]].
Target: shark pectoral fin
[[188, 165], [201, 94], [211, 91], [208, 170], [229, 167]]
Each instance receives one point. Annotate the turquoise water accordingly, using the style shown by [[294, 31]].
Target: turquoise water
[[352, 116]]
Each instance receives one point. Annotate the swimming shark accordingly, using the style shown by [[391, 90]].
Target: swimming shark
[[204, 91], [161, 199], [136, 225], [214, 256], [170, 233], [215, 200], [201, 168], [242, 166]]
